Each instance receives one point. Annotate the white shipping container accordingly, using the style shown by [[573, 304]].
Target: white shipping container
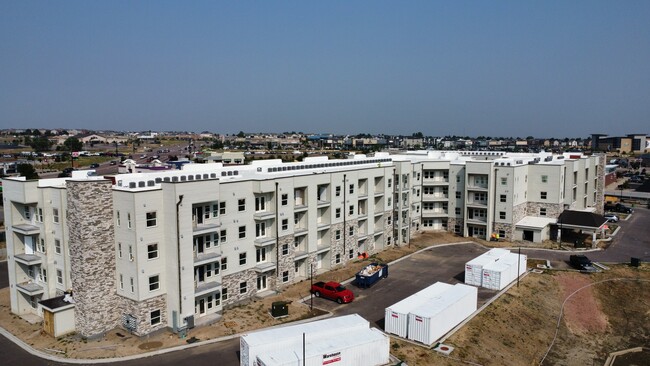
[[396, 317], [474, 268], [267, 340], [438, 316], [369, 347], [497, 275]]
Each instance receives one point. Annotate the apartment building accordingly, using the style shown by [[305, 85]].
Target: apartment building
[[171, 249]]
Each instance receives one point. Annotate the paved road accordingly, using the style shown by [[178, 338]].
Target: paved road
[[406, 277]]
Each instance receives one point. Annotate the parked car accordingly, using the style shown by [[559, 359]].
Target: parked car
[[611, 217], [582, 263], [333, 291], [113, 162], [618, 207], [94, 165]]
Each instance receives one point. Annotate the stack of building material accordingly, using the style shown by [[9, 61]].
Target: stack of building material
[[497, 275], [284, 345], [474, 268], [437, 316], [396, 320]]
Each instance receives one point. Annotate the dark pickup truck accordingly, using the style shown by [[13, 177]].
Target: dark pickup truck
[[618, 207], [582, 263], [333, 291]]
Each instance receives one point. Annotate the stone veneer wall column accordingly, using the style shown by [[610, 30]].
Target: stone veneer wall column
[[337, 245], [388, 229], [351, 240], [286, 262], [231, 282], [142, 313], [600, 185], [92, 256]]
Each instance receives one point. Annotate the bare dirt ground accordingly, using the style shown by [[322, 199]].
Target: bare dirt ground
[[238, 319], [517, 329]]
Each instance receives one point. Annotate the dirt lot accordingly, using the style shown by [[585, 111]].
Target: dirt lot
[[517, 329]]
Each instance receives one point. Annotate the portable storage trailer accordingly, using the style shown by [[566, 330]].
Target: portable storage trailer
[[396, 318], [474, 268], [367, 347], [497, 275], [439, 315], [268, 340]]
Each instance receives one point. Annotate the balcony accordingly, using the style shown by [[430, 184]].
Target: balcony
[[435, 213], [201, 229], [28, 259], [379, 193], [477, 187], [205, 258], [474, 203], [438, 181], [299, 231], [30, 288], [300, 254], [205, 288], [264, 241], [435, 197], [26, 229], [264, 267], [322, 248], [324, 226], [477, 220], [299, 208], [263, 215]]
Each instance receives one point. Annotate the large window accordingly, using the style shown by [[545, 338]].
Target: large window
[[260, 255], [152, 251], [155, 317], [260, 204], [151, 219], [154, 283], [260, 230]]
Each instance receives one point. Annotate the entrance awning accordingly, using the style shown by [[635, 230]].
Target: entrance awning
[[535, 223]]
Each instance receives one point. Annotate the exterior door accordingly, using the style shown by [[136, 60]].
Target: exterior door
[[198, 214], [261, 282], [48, 322], [202, 306]]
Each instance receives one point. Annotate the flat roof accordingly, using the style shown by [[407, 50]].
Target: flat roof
[[535, 222]]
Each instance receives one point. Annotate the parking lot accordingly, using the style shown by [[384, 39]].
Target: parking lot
[[406, 277]]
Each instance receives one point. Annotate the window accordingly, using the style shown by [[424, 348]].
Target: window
[[55, 215], [57, 246], [285, 249], [502, 198], [351, 253], [389, 201], [119, 222], [224, 264], [223, 236], [151, 219], [285, 276], [39, 215], [338, 191], [128, 220], [338, 213], [337, 259], [242, 258], [59, 277], [502, 215], [542, 211], [215, 210], [243, 287], [544, 178], [224, 294], [132, 285], [458, 179], [502, 233], [351, 231], [457, 194], [542, 195], [119, 250], [390, 182], [285, 199], [121, 281], [337, 235], [504, 181], [154, 283], [152, 251], [296, 242], [480, 196], [457, 211], [155, 317], [351, 210], [43, 275], [242, 232], [131, 253], [351, 188], [260, 230], [285, 224], [41, 245], [241, 204], [222, 208], [260, 204]]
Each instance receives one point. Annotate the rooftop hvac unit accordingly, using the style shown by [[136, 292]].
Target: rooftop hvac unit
[[548, 158]]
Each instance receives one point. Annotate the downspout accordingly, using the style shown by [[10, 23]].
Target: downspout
[[392, 211], [494, 203], [178, 258], [277, 234]]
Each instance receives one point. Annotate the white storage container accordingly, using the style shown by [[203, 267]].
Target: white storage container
[[367, 347], [441, 314], [264, 341], [396, 317], [497, 275], [474, 268]]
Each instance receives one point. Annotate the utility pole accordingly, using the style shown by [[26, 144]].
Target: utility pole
[[311, 280]]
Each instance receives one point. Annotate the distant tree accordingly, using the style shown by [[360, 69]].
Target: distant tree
[[418, 135], [217, 145], [36, 132], [27, 171], [241, 134], [72, 144], [530, 138], [41, 143]]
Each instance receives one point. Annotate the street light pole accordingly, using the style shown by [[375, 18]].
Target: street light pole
[[311, 280]]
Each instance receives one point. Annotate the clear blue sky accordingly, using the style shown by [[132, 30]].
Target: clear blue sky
[[494, 68]]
